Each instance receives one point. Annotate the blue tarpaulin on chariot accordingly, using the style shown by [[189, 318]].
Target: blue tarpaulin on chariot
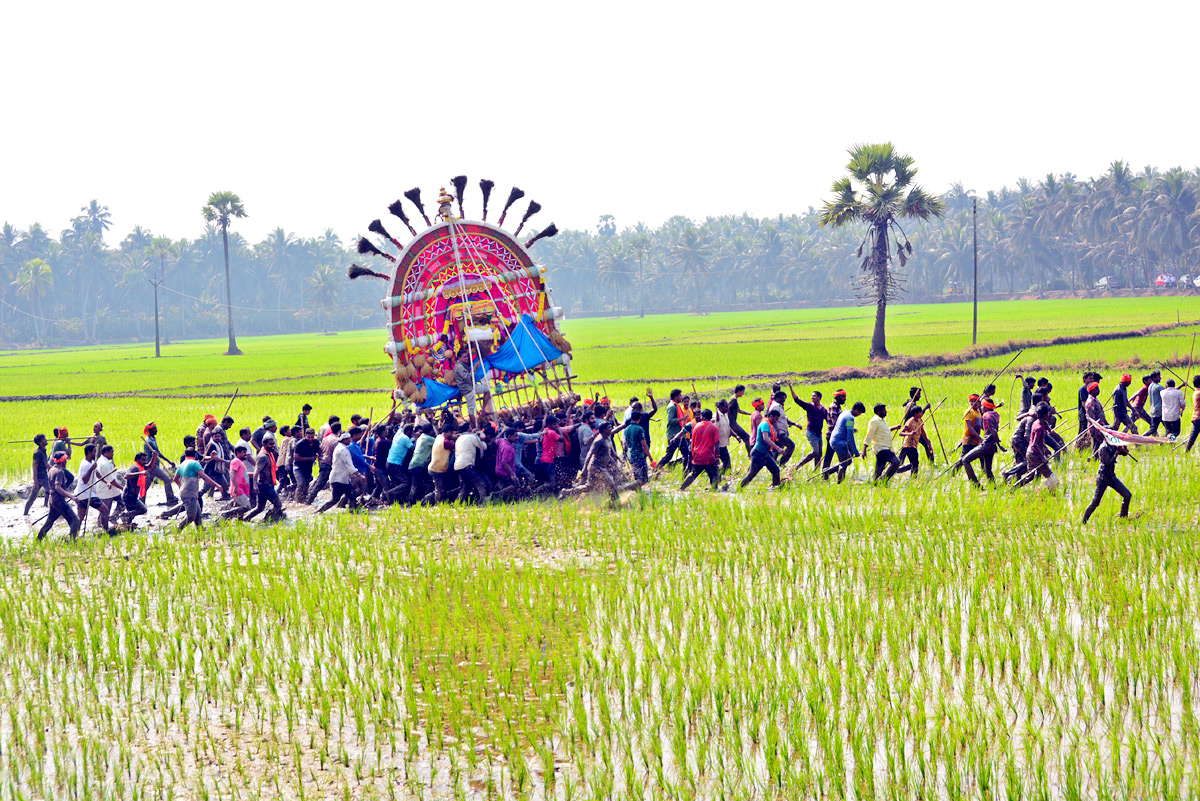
[[525, 349]]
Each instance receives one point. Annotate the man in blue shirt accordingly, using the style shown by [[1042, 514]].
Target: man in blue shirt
[[361, 466], [764, 450], [841, 439], [397, 464]]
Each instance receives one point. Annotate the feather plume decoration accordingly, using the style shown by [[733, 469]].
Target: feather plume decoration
[[397, 208], [534, 208], [485, 186], [549, 231], [366, 246], [414, 195], [358, 271], [460, 186], [513, 196], [376, 227]]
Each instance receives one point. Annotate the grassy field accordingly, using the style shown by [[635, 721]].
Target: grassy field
[[919, 640]]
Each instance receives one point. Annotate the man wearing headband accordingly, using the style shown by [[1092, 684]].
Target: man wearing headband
[[763, 454], [1122, 420], [204, 434], [972, 425], [59, 482], [1094, 411], [1081, 441], [985, 451]]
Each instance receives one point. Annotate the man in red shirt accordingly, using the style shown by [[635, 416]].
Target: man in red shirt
[[705, 438]]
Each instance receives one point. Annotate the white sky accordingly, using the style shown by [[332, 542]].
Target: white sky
[[320, 114]]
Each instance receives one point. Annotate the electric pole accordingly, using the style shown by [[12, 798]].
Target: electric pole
[[975, 271], [157, 351]]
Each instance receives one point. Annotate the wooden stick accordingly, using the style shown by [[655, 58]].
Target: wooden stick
[[1005, 367], [1172, 372], [231, 400], [933, 419], [1190, 353], [1055, 453]]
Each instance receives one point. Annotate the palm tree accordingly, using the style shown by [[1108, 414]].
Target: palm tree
[[221, 208], [614, 270], [327, 287], [880, 192], [34, 280], [690, 255], [640, 246], [96, 218]]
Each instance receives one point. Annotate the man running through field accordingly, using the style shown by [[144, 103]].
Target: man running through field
[[879, 441], [59, 483], [1122, 420], [912, 435], [154, 459], [842, 441], [637, 447], [763, 453], [1106, 478], [835, 413], [41, 473], [1037, 457], [189, 475], [705, 440], [985, 451], [735, 410], [817, 416]]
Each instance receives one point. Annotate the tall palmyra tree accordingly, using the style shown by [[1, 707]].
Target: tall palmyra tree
[[880, 192]]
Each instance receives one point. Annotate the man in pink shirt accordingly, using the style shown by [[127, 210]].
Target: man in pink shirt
[[550, 443], [239, 484], [705, 437]]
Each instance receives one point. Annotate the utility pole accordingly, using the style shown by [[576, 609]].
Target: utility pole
[[975, 271], [157, 351]]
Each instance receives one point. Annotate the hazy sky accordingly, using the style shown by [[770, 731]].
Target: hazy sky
[[319, 115]]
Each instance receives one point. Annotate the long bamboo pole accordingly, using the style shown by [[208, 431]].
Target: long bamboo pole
[[1005, 367], [933, 420]]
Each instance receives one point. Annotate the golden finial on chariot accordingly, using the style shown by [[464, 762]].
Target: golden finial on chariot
[[444, 200]]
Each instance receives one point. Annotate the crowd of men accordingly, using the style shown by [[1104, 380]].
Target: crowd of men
[[570, 446]]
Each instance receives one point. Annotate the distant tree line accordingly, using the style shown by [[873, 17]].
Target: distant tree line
[[1060, 233]]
